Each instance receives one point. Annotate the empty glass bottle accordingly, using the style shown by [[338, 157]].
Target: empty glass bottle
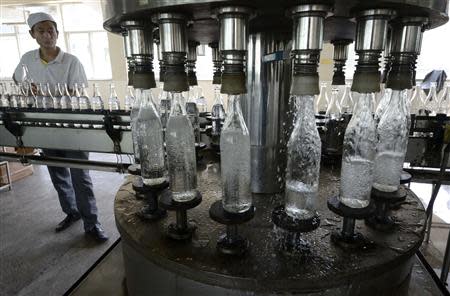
[[358, 154], [415, 102], [164, 109], [134, 116], [334, 109], [129, 98], [217, 113], [47, 100], [392, 141], [303, 163], [444, 100], [200, 100], [39, 96], [193, 113], [431, 101], [235, 159], [150, 142], [57, 95], [4, 96], [13, 97], [180, 143], [66, 102], [322, 99], [74, 99], [347, 101], [113, 102], [96, 101], [84, 99]]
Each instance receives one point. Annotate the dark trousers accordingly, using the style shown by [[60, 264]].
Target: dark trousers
[[74, 188]]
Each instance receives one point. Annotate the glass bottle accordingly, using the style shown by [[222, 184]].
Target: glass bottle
[[150, 142], [443, 100], [96, 101], [334, 109], [392, 140], [40, 96], [382, 105], [415, 102], [358, 154], [4, 96], [193, 113], [31, 96], [235, 159], [164, 109], [113, 102], [217, 113], [431, 101], [66, 102], [322, 99], [47, 100], [200, 100], [347, 100], [13, 97], [84, 99], [134, 116], [129, 98], [57, 95], [180, 143], [303, 163], [74, 99]]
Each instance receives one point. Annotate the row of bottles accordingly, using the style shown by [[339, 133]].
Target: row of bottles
[[61, 96], [431, 103]]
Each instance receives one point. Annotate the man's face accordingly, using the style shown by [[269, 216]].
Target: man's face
[[45, 34]]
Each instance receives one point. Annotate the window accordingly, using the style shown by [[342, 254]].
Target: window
[[86, 40]]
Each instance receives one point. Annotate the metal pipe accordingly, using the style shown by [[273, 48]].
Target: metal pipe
[[348, 227], [66, 162], [190, 62], [446, 263], [217, 63]]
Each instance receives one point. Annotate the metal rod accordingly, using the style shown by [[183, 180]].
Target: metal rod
[[348, 227], [66, 162], [446, 263], [232, 232], [181, 219]]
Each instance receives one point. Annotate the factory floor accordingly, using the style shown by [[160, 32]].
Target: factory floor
[[34, 260]]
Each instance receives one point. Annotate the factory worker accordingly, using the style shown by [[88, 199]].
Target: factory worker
[[49, 64]]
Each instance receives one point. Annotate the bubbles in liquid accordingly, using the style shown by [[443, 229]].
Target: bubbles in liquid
[[356, 182], [388, 171], [300, 199]]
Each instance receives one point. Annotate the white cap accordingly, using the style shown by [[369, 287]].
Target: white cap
[[38, 17]]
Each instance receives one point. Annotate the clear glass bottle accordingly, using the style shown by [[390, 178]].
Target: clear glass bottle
[[358, 154], [74, 99], [164, 110], [322, 99], [193, 113], [96, 101], [47, 100], [431, 101], [415, 102], [443, 100], [57, 95], [392, 141], [235, 159], [334, 109], [134, 116], [39, 96], [202, 104], [113, 102], [347, 100], [4, 96], [382, 105], [217, 113], [13, 97], [180, 143], [66, 102], [150, 142], [129, 98], [84, 101], [303, 163], [31, 97]]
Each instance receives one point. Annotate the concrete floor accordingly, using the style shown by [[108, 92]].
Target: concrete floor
[[34, 260]]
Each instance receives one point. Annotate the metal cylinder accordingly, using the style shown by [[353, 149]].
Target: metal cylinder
[[172, 32], [192, 51], [371, 29], [126, 43], [233, 28], [407, 34], [308, 26]]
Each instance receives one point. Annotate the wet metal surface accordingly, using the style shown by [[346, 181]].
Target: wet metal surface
[[263, 268]]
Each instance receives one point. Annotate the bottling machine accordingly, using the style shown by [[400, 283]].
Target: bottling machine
[[266, 57]]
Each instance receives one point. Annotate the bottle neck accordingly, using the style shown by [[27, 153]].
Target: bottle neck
[[178, 104], [66, 89], [363, 103], [96, 91], [113, 93]]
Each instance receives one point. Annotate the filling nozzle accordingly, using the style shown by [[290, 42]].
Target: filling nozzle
[[174, 47], [340, 58], [371, 33], [233, 47], [162, 68], [307, 43], [190, 63], [139, 51], [217, 63], [405, 47]]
